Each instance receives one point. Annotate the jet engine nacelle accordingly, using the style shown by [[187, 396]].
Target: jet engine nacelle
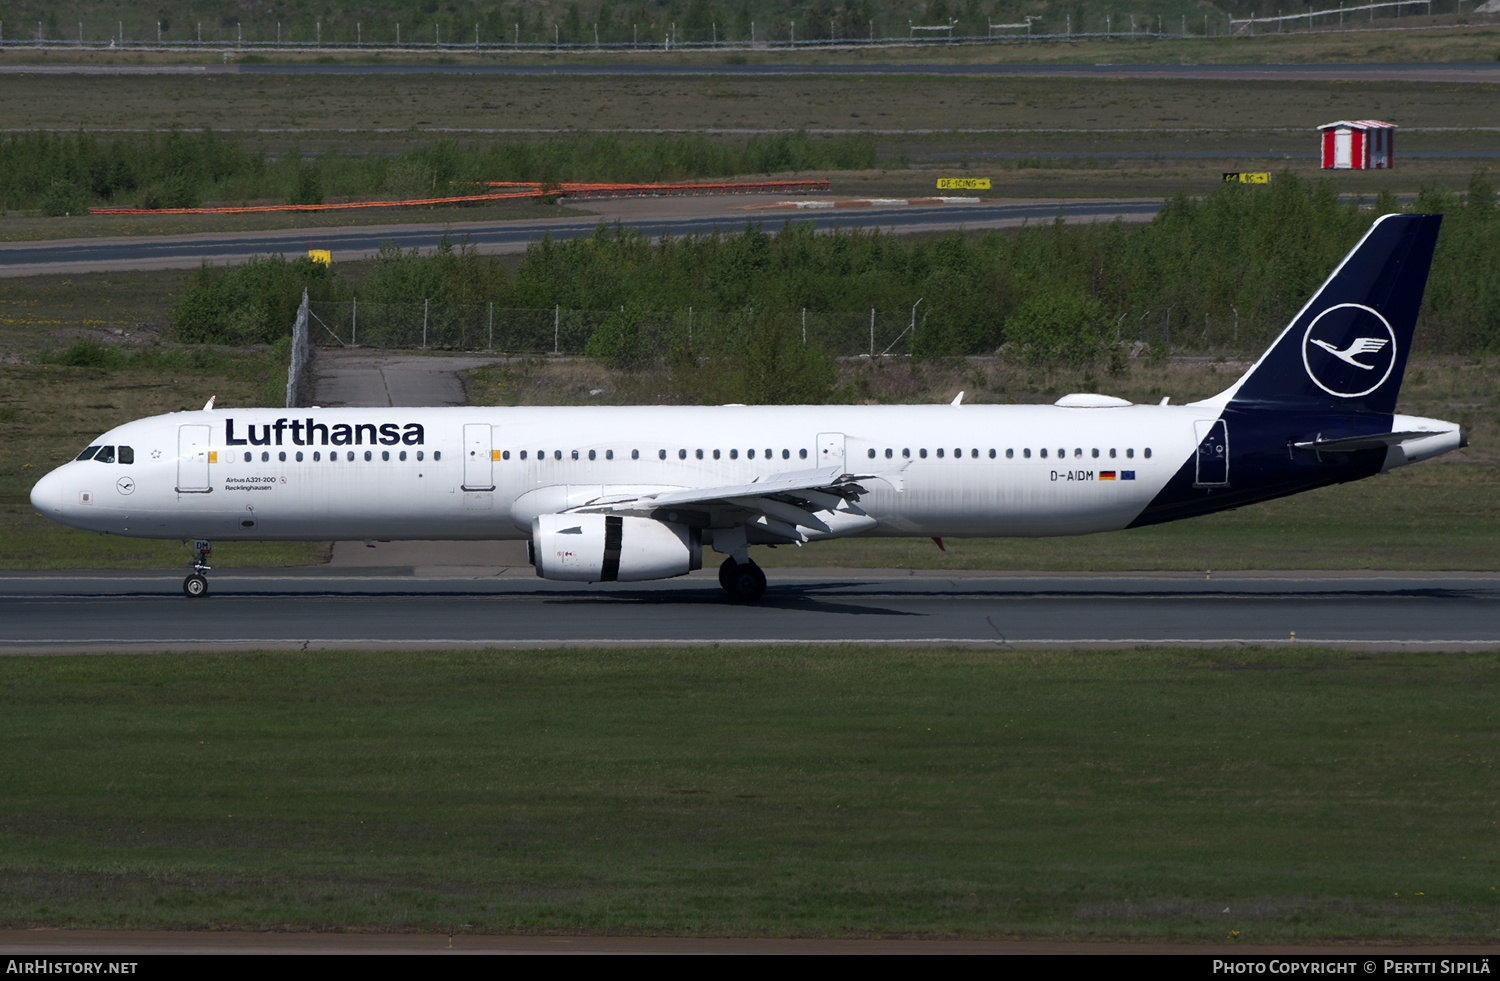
[[611, 548]]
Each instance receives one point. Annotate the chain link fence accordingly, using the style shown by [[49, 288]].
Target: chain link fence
[[448, 327]]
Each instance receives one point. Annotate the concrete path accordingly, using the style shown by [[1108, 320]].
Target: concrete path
[[358, 377]]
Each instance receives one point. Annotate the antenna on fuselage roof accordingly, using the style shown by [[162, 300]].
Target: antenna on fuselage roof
[[957, 399], [207, 406]]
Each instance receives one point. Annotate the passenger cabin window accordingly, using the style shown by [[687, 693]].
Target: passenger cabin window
[[248, 457], [1010, 454], [682, 454], [281, 455], [872, 453], [716, 454], [802, 454], [403, 456], [698, 454], [317, 456], [1111, 452], [87, 454], [750, 454], [609, 454], [1044, 453], [940, 452], [1148, 452], [922, 453], [385, 455], [1130, 454], [299, 456]]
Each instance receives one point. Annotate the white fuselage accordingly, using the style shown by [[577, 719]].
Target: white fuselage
[[973, 470]]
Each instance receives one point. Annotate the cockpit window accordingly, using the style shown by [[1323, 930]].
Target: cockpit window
[[106, 454], [88, 454], [127, 454]]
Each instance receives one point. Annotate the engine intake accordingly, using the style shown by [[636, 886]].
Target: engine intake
[[611, 548]]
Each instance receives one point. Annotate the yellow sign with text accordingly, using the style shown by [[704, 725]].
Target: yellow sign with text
[[1247, 178], [323, 256], [963, 183]]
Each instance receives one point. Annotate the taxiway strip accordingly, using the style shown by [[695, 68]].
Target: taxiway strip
[[56, 613], [355, 243]]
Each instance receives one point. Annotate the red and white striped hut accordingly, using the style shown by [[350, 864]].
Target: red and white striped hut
[[1361, 144]]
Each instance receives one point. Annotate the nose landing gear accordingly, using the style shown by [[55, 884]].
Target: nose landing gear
[[196, 584], [743, 581]]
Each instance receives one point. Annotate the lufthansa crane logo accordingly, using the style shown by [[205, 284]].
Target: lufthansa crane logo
[[1349, 350]]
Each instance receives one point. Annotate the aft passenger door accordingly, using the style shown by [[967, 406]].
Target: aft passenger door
[[1213, 453]]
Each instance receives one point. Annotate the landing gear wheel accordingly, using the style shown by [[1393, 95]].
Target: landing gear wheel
[[195, 586], [744, 582]]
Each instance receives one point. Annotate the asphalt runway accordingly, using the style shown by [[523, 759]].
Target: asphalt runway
[[354, 243], [318, 610]]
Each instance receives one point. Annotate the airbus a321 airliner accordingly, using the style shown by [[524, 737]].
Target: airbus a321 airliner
[[629, 494]]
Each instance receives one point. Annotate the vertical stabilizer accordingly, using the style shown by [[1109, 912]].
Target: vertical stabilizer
[[1347, 348]]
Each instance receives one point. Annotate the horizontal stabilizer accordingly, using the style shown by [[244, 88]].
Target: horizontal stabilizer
[[1374, 441]]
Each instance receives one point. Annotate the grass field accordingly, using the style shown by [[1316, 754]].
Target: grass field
[[1036, 137], [376, 110], [1441, 38], [1256, 795]]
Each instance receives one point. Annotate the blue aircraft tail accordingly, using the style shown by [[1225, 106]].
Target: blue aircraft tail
[[1347, 348]]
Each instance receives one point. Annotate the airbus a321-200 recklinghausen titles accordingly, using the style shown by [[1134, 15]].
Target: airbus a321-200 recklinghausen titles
[[628, 494]]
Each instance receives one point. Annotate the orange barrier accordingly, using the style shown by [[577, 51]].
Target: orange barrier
[[314, 207], [537, 190], [590, 188]]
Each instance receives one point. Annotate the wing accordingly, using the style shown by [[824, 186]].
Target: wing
[[797, 506]]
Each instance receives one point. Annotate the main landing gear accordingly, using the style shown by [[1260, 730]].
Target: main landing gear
[[196, 584], [743, 581]]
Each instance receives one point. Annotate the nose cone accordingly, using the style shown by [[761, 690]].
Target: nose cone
[[46, 496]]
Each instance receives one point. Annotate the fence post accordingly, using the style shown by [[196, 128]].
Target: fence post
[[354, 325], [556, 318], [492, 327], [297, 369], [872, 332], [804, 326], [690, 328], [424, 321]]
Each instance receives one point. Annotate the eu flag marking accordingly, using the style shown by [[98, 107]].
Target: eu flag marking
[[1127, 474]]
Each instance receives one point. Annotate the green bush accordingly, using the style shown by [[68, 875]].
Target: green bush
[[64, 197], [251, 304]]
